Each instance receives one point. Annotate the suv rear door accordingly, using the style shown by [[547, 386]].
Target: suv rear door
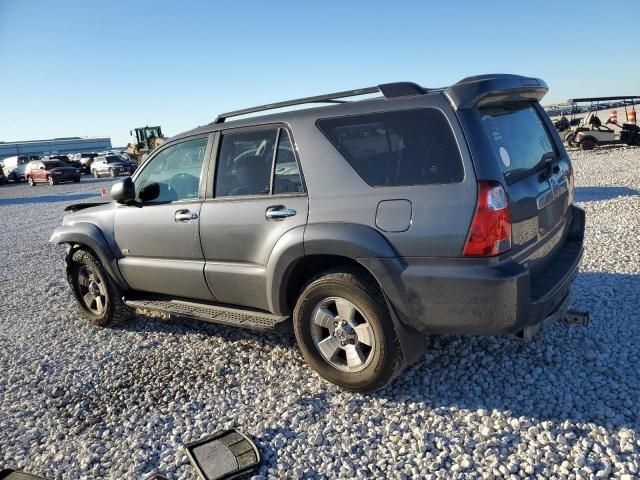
[[159, 237], [256, 196], [538, 178]]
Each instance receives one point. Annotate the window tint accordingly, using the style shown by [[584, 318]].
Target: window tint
[[173, 174], [518, 135], [408, 147], [244, 163], [287, 173]]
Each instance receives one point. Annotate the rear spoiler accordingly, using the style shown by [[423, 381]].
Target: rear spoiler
[[480, 90]]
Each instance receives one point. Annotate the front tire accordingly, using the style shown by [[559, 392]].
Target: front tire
[[50, 180], [112, 173], [99, 298], [345, 332], [588, 144], [95, 174], [31, 182]]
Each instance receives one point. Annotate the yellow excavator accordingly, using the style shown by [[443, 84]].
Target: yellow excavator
[[147, 138]]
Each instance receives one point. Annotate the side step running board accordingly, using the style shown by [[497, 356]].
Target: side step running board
[[236, 317]]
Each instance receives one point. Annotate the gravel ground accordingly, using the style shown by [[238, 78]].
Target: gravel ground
[[78, 401]]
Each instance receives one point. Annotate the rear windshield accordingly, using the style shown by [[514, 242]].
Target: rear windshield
[[404, 147], [519, 136]]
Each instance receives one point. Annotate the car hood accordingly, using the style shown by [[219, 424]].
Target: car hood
[[87, 212]]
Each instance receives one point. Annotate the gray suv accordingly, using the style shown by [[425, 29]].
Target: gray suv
[[362, 225], [112, 166]]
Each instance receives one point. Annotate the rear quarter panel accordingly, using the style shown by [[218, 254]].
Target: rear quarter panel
[[441, 214]]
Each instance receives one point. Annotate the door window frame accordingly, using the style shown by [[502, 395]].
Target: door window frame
[[204, 171], [215, 152]]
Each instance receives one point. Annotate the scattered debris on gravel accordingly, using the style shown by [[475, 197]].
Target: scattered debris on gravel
[[79, 401]]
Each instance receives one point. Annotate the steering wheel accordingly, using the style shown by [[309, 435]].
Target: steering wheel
[[247, 153]]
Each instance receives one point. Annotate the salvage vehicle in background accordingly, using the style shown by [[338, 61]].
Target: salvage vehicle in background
[[14, 166], [50, 171], [86, 159], [365, 225], [112, 166], [3, 178], [65, 159]]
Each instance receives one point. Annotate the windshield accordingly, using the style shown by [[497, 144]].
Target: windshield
[[53, 164], [518, 135]]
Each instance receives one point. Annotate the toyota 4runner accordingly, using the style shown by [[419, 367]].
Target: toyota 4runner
[[363, 225]]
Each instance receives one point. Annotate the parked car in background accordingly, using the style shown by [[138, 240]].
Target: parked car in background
[[3, 178], [14, 166], [51, 171], [86, 160], [112, 166], [66, 160]]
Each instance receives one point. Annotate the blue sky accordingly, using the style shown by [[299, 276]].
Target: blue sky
[[89, 67]]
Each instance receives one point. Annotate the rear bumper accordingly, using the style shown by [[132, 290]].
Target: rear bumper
[[467, 296]]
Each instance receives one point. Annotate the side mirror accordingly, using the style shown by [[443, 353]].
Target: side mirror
[[124, 191], [150, 192]]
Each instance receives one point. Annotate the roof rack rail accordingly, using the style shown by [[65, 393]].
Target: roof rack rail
[[389, 90]]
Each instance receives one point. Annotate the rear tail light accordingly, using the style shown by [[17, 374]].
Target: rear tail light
[[490, 231]]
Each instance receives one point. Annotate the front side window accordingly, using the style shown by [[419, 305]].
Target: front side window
[[173, 174], [244, 163], [403, 147]]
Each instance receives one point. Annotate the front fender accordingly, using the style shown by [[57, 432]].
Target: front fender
[[87, 234]]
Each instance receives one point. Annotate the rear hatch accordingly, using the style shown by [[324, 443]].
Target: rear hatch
[[537, 175]]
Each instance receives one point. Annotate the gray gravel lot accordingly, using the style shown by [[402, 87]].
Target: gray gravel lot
[[78, 401]]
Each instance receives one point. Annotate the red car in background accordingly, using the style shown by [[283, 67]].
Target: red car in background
[[50, 171]]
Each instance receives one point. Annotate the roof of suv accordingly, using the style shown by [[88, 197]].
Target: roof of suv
[[467, 93]]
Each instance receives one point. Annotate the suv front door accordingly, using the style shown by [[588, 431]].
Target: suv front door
[[159, 236], [258, 195]]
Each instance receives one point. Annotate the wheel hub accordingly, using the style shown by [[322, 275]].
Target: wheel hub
[[345, 333], [342, 334], [94, 289]]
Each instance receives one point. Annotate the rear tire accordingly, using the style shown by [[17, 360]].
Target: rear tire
[[360, 353], [31, 182], [112, 173], [588, 144], [51, 180], [95, 174], [98, 296]]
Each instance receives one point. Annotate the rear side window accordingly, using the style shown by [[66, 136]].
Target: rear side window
[[518, 135], [286, 172], [404, 147], [244, 163]]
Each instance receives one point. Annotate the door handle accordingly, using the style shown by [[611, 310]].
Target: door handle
[[279, 212], [185, 216]]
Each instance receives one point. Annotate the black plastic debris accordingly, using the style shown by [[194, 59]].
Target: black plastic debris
[[223, 455], [9, 474]]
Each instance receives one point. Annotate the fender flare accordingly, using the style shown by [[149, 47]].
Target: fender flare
[[348, 240], [353, 241], [88, 234]]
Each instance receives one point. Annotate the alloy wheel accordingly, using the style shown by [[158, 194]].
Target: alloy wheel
[[342, 334], [92, 290]]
